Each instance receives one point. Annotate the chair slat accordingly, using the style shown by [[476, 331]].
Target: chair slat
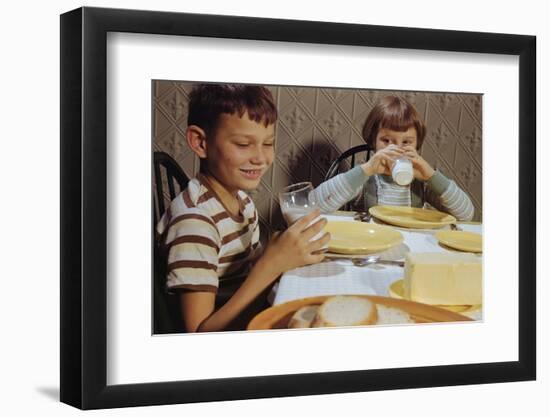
[[174, 173], [171, 188], [160, 194]]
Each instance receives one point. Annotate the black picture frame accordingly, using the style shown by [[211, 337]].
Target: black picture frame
[[84, 207]]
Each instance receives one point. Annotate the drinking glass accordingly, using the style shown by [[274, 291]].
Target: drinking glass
[[402, 171], [297, 201]]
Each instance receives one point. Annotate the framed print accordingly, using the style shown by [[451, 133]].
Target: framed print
[[128, 81]]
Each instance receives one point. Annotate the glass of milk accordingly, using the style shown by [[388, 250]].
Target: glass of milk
[[402, 171], [297, 201]]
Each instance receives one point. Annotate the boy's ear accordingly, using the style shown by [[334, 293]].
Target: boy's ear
[[196, 139]]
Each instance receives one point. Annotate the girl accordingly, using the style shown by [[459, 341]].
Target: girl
[[394, 129]]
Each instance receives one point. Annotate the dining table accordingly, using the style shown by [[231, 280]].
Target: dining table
[[340, 275]]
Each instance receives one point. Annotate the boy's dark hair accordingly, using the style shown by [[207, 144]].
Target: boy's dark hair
[[394, 113], [208, 101]]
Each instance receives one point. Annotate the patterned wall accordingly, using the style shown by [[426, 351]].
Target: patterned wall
[[317, 124]]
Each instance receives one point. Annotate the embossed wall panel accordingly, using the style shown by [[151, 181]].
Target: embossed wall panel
[[317, 124]]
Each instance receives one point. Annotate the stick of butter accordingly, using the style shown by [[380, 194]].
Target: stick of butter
[[443, 278]]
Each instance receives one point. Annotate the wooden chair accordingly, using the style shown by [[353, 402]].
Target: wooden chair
[[341, 163], [166, 308], [173, 175]]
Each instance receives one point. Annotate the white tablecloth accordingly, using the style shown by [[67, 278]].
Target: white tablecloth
[[342, 277]]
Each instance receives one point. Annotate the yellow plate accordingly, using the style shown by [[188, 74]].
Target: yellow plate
[[412, 217], [396, 291], [277, 317], [360, 238], [464, 241]]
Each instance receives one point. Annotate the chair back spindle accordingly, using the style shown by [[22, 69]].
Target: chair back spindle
[[162, 162], [351, 153]]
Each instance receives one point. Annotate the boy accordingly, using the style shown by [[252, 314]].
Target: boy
[[211, 229]]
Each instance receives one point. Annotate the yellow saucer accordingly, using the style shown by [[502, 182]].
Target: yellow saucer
[[360, 238], [412, 217], [464, 241], [396, 291]]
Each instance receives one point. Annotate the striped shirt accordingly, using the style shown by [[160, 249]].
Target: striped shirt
[[206, 246], [391, 194], [354, 186]]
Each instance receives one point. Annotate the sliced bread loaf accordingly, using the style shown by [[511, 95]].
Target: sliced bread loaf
[[345, 311], [391, 315], [303, 317]]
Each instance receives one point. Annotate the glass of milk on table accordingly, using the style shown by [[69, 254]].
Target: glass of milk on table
[[297, 201]]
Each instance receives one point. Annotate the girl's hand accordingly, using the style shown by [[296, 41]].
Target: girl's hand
[[292, 248], [382, 161], [422, 169]]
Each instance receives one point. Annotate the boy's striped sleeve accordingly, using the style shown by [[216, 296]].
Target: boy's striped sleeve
[[193, 246]]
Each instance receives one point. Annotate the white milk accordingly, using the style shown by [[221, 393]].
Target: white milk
[[293, 214]]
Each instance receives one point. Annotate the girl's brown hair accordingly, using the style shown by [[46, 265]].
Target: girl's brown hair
[[208, 101], [394, 113]]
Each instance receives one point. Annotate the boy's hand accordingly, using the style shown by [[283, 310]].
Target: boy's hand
[[292, 248], [422, 169], [382, 161]]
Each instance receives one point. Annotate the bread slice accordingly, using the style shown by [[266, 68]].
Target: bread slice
[[345, 311], [303, 317], [391, 315]]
